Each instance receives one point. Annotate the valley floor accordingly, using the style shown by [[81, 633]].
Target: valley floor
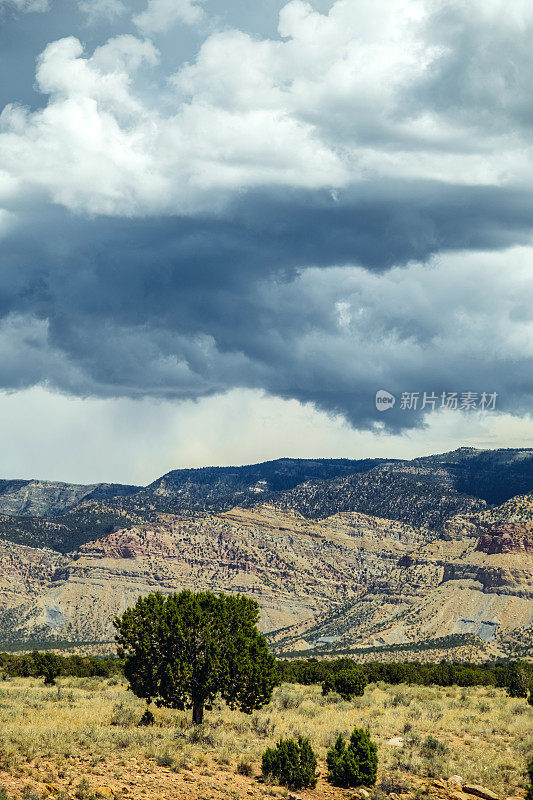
[[85, 743]]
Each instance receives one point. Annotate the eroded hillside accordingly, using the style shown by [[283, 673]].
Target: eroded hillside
[[388, 555], [295, 568], [476, 578]]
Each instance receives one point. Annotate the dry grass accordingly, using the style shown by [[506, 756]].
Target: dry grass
[[90, 734]]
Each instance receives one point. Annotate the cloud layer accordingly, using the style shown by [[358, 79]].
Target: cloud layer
[[342, 207], [370, 91]]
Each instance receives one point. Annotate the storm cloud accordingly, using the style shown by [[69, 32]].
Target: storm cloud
[[340, 207]]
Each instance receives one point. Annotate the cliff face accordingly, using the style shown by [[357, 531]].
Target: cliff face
[[511, 537], [499, 578], [26, 573], [27, 567], [359, 579]]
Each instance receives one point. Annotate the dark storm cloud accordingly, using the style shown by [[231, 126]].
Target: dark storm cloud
[[133, 271], [376, 226], [189, 307]]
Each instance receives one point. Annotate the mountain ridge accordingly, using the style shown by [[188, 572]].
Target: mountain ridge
[[492, 476], [392, 554]]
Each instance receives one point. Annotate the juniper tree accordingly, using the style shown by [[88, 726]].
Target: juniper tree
[[182, 650], [355, 765], [292, 763], [347, 682], [517, 685], [47, 665]]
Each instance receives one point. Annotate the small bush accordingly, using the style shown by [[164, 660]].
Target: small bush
[[30, 794], [3, 793], [83, 790], [355, 765], [287, 699], [165, 759], [393, 786], [180, 762], [201, 735], [412, 739], [147, 718], [432, 747], [292, 763], [122, 716], [124, 740], [398, 699], [245, 768], [263, 726]]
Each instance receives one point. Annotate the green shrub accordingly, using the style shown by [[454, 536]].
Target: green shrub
[[292, 763], [348, 683], [355, 765], [47, 665], [517, 685]]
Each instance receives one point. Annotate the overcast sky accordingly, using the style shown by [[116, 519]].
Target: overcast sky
[[225, 225]]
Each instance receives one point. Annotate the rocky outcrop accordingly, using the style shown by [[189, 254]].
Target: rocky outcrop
[[492, 578], [27, 566], [447, 587], [511, 537], [51, 498]]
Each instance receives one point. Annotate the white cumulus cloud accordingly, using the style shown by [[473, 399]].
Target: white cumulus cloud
[[363, 92]]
